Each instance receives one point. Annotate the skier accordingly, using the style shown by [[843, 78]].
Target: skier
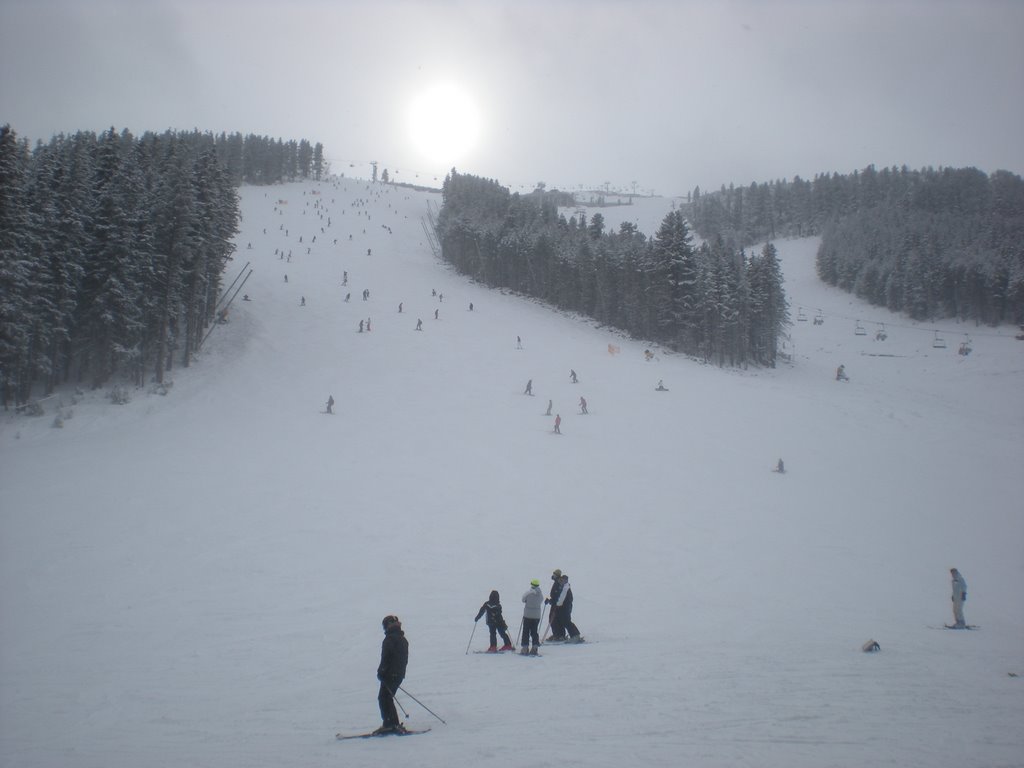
[[367, 325], [780, 467], [959, 598], [348, 296], [303, 302], [519, 342], [557, 630], [564, 611], [419, 325], [495, 623], [548, 413], [529, 388], [558, 424], [572, 376], [660, 387], [360, 326], [394, 657], [583, 405], [533, 600], [841, 374], [399, 307], [330, 403], [471, 306]]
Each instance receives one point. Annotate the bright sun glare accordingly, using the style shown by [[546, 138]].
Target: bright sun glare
[[444, 124]]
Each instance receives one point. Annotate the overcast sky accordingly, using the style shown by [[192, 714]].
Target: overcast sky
[[668, 94]]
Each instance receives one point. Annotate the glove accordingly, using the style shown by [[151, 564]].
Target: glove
[[547, 601]]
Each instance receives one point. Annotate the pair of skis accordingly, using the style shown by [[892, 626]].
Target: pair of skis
[[378, 734]]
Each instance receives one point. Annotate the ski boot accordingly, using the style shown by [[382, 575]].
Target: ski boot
[[493, 649], [507, 647], [534, 651]]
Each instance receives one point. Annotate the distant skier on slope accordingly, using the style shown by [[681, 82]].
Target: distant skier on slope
[[529, 388], [572, 376], [558, 424], [583, 405], [557, 629], [959, 598], [495, 622], [841, 374], [330, 403], [548, 412]]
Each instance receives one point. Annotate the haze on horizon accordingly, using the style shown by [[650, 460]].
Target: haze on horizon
[[653, 95]]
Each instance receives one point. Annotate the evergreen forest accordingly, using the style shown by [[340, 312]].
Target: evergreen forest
[[113, 248], [946, 243], [713, 301]]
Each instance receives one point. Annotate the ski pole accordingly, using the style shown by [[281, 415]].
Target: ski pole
[[394, 698], [421, 704], [544, 633], [470, 638], [519, 632]]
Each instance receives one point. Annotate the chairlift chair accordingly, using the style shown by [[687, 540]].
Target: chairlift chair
[[859, 330], [819, 319], [938, 342], [965, 346], [800, 316]]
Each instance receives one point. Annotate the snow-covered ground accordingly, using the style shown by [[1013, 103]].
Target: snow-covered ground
[[198, 579]]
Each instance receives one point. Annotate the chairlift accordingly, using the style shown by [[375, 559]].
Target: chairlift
[[800, 316], [819, 319], [938, 342], [859, 330], [880, 334], [965, 346]]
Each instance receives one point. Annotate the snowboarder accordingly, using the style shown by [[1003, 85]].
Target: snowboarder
[[394, 657], [495, 622], [583, 405], [959, 598], [564, 611], [360, 326], [529, 388], [572, 376], [841, 374], [548, 413], [557, 630], [558, 424], [330, 403], [660, 387], [419, 325], [533, 600]]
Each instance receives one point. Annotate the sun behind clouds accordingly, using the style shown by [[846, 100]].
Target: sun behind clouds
[[444, 124]]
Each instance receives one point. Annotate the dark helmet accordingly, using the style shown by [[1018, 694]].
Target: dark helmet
[[494, 596], [388, 621]]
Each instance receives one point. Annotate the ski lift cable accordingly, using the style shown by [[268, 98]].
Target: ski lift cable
[[931, 329]]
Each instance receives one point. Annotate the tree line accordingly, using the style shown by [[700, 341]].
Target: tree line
[[713, 301], [932, 243], [112, 249]]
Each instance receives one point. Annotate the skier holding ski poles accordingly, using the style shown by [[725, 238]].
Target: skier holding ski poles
[[495, 622], [394, 657], [533, 600]]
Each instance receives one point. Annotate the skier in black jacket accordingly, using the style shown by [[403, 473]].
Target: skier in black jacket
[[495, 622], [394, 656], [557, 630]]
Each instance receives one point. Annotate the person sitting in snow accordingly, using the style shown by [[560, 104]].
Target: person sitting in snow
[[841, 374], [495, 623]]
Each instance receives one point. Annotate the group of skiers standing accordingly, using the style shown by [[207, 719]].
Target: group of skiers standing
[[560, 617]]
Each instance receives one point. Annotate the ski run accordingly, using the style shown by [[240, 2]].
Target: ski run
[[198, 578]]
